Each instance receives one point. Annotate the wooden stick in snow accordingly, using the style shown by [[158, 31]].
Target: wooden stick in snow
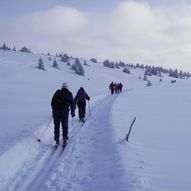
[[127, 136]]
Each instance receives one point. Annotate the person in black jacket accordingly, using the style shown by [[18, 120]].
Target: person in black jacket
[[111, 87], [61, 102], [80, 100]]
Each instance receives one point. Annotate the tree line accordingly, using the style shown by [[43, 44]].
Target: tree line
[[78, 68], [149, 70], [7, 48]]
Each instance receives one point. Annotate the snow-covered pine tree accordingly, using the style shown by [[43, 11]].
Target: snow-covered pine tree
[[80, 70], [40, 64], [154, 70], [74, 66], [121, 64], [64, 58], [173, 73], [126, 70], [77, 67], [14, 49], [85, 63], [93, 60], [117, 65], [25, 49], [5, 47], [68, 63], [181, 74], [108, 64], [55, 64], [145, 76]]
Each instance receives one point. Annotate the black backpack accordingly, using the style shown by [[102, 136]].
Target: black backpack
[[60, 100]]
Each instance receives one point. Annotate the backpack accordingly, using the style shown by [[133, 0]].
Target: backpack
[[81, 96], [60, 100]]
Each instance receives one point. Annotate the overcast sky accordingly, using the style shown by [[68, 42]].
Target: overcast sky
[[153, 32]]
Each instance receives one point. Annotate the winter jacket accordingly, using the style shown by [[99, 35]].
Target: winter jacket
[[62, 101], [81, 97]]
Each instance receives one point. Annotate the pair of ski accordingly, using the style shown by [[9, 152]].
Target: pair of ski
[[55, 147]]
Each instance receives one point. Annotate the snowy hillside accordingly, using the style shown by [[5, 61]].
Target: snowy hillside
[[97, 157]]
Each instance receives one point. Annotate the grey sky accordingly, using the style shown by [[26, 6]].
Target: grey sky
[[10, 8], [150, 31]]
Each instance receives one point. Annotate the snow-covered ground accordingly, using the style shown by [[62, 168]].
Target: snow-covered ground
[[97, 157]]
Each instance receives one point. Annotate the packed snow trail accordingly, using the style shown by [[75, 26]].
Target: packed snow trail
[[31, 157], [46, 164], [36, 179], [92, 161]]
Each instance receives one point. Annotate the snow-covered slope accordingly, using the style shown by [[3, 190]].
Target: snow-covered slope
[[97, 156], [26, 92]]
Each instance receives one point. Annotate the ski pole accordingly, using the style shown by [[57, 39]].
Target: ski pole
[[39, 139], [89, 110], [73, 124]]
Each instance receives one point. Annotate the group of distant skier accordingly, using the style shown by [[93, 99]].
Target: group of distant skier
[[115, 87], [63, 102]]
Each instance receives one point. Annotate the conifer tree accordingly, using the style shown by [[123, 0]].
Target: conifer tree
[[68, 63], [126, 70], [145, 76], [40, 64], [14, 49], [77, 67], [55, 64]]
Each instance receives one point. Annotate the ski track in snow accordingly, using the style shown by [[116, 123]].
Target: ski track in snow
[[85, 163]]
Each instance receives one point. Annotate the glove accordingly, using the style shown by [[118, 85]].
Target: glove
[[73, 115]]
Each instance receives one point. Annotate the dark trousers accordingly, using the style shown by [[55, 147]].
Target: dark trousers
[[81, 109], [112, 91], [60, 117]]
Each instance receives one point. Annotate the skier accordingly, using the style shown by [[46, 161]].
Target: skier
[[120, 87], [80, 100], [61, 102], [111, 87], [115, 88]]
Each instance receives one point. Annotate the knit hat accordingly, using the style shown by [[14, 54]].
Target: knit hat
[[65, 85]]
